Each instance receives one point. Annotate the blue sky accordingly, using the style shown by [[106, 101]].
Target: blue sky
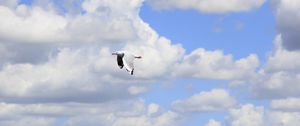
[[195, 29], [205, 63]]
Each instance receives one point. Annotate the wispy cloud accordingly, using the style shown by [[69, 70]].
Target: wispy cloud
[[208, 6]]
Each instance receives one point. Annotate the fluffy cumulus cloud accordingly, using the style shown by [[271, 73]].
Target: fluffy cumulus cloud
[[110, 23], [67, 77], [288, 104], [57, 68], [44, 24], [51, 55], [214, 100], [280, 76], [278, 79], [120, 113], [251, 115], [216, 65], [55, 57], [9, 3], [282, 59], [213, 122], [208, 6], [246, 115], [287, 13], [279, 118]]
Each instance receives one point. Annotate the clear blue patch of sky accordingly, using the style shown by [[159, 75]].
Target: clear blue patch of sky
[[26, 2], [239, 34]]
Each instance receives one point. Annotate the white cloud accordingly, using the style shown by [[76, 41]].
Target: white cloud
[[73, 66], [278, 118], [282, 59], [5, 54], [137, 89], [214, 100], [208, 6], [288, 104], [65, 77], [30, 121], [280, 76], [115, 24], [103, 21], [80, 75], [118, 113], [25, 24], [250, 115], [166, 119], [216, 65], [153, 109], [9, 3], [246, 115], [277, 85], [287, 13], [213, 122], [55, 61]]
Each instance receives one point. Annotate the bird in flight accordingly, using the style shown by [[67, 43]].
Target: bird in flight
[[125, 59]]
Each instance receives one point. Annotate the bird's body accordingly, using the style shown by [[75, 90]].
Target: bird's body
[[125, 59]]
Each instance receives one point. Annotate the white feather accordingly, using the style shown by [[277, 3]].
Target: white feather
[[128, 61]]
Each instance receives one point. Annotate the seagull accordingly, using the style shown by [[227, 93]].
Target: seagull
[[125, 59]]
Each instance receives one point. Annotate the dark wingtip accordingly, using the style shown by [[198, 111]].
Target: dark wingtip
[[131, 72]]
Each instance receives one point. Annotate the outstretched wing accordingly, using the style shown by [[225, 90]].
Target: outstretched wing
[[128, 62]]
